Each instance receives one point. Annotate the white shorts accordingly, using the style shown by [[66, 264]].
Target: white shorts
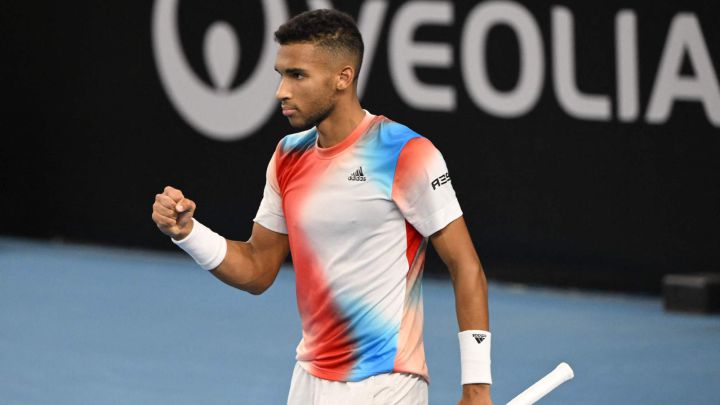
[[382, 389]]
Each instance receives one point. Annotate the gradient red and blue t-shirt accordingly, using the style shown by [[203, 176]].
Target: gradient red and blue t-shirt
[[357, 216]]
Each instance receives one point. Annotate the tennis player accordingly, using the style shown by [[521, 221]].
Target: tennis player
[[354, 197]]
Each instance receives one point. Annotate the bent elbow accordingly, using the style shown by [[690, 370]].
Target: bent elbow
[[256, 290], [257, 287]]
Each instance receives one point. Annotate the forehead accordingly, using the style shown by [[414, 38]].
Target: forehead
[[301, 55]]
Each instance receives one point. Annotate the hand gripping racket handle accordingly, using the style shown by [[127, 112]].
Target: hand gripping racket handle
[[562, 373]]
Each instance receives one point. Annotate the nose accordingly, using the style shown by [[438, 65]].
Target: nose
[[282, 92]]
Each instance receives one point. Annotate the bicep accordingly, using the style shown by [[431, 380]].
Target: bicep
[[454, 246], [269, 248], [456, 249]]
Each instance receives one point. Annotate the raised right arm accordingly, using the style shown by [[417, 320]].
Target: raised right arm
[[250, 266]]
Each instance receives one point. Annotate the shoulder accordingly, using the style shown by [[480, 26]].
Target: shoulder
[[417, 159], [291, 150], [393, 132], [409, 143], [400, 138], [298, 142]]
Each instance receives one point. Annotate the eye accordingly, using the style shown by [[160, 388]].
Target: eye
[[298, 76]]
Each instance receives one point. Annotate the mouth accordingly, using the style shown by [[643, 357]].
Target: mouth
[[287, 111]]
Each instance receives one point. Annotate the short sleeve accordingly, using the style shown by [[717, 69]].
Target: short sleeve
[[422, 188], [270, 213]]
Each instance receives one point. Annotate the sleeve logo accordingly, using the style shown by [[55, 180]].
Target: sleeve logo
[[445, 178]]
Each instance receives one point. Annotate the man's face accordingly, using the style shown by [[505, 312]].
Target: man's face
[[307, 89]]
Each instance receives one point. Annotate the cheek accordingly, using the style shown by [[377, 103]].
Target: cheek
[[317, 95], [304, 93], [326, 92], [314, 94]]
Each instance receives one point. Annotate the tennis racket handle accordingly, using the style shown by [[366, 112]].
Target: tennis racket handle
[[562, 373]]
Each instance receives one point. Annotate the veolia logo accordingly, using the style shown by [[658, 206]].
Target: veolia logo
[[229, 114], [219, 112]]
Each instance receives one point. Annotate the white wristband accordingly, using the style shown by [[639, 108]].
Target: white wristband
[[205, 246], [475, 357]]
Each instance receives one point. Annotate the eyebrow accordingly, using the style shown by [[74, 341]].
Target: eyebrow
[[291, 71]]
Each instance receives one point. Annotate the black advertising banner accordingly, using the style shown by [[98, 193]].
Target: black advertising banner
[[582, 138]]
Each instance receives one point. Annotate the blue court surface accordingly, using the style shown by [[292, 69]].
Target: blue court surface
[[91, 325]]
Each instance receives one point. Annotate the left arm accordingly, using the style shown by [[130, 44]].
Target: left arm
[[455, 248]]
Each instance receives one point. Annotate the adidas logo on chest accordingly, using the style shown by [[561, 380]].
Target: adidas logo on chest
[[357, 175]]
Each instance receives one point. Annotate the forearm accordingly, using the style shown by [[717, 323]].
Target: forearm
[[471, 302], [454, 246], [243, 268], [471, 306]]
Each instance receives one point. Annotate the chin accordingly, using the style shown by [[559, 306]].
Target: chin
[[299, 124]]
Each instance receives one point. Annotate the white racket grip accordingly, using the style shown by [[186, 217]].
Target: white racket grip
[[552, 380]]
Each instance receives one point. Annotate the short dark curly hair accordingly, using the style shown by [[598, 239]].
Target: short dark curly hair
[[330, 29]]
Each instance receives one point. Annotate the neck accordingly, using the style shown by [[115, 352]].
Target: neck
[[340, 123]]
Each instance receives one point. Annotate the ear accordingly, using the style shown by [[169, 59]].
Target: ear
[[345, 78]]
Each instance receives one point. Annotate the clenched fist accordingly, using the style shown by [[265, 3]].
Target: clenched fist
[[173, 213]]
